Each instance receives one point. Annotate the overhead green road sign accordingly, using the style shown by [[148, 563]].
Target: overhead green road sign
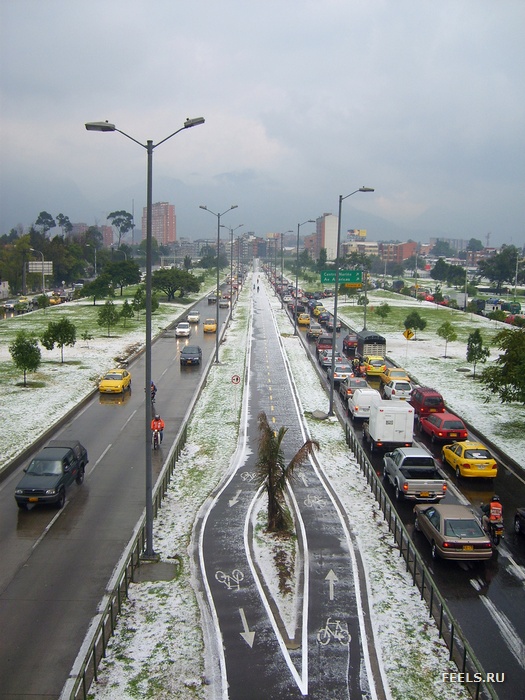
[[345, 276]]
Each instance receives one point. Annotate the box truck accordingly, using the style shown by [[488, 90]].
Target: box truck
[[390, 425]]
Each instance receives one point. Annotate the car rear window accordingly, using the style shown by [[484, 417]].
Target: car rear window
[[432, 401], [477, 454], [418, 462], [453, 425], [402, 386], [463, 528]]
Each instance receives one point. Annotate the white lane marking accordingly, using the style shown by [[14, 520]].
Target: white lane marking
[[507, 631], [100, 459], [49, 526], [128, 419]]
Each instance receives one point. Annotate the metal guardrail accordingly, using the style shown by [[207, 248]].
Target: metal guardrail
[[449, 630]]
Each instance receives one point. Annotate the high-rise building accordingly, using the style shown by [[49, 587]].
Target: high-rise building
[[326, 226], [163, 223]]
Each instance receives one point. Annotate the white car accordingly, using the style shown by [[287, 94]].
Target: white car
[[183, 330], [194, 317], [397, 390], [359, 403]]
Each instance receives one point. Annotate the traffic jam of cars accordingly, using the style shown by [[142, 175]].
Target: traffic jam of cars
[[390, 407]]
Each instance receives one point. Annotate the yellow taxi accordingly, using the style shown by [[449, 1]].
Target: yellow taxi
[[373, 365], [209, 325], [470, 459], [115, 381], [318, 310], [303, 320]]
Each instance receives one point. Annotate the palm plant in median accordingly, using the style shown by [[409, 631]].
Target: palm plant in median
[[274, 474]]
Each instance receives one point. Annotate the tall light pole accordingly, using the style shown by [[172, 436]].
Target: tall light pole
[[282, 259], [43, 277], [233, 206], [310, 221], [92, 245], [149, 146], [231, 230], [336, 296]]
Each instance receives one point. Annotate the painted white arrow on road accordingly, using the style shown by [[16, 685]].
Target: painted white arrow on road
[[331, 578], [235, 499], [305, 480], [246, 635]]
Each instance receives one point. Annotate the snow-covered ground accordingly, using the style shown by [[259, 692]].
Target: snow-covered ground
[[159, 650]]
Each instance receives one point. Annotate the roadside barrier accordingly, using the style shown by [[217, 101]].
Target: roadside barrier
[[460, 651]]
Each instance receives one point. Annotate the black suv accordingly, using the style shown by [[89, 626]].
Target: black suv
[[191, 355]]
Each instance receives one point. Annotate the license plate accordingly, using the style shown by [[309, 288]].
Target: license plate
[[468, 547], [452, 434], [32, 499], [482, 466], [424, 494]]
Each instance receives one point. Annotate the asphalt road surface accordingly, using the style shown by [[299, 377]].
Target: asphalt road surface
[[55, 565]]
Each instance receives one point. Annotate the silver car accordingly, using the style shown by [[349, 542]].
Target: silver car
[[183, 330]]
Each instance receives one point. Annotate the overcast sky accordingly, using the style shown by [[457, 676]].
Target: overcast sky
[[304, 101]]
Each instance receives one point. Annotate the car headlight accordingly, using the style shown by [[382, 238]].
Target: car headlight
[[50, 492], [19, 492]]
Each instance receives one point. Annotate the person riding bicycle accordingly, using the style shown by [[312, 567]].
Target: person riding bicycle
[[153, 390], [492, 512], [158, 424]]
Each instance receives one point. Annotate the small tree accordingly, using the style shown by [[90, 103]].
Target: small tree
[[383, 310], [475, 350], [139, 300], [448, 333], [415, 322], [126, 312], [108, 316], [506, 377], [274, 474], [25, 353], [42, 301], [62, 333]]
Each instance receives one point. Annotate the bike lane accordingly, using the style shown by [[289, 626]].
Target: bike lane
[[259, 657]]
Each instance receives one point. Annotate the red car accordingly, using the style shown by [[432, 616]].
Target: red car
[[443, 426]]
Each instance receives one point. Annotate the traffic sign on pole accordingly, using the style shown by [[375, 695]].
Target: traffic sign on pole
[[353, 277]]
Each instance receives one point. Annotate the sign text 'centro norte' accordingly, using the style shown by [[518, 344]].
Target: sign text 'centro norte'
[[345, 276]]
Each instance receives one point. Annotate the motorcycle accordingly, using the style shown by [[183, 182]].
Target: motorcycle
[[495, 532], [155, 438]]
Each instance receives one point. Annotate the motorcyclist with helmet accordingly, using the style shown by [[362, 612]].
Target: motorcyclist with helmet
[[492, 512], [158, 424]]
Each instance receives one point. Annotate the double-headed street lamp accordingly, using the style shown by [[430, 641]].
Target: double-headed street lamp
[[93, 245], [231, 230], [310, 221], [233, 206], [282, 235], [149, 146], [336, 296], [43, 277]]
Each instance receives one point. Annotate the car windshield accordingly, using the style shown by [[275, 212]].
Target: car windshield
[[462, 528], [113, 377], [41, 467], [477, 454]]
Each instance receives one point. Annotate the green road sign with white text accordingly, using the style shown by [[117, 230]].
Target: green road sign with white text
[[345, 276]]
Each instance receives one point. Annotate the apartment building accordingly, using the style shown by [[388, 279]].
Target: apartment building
[[163, 223]]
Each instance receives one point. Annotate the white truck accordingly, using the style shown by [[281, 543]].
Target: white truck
[[414, 474], [390, 425]]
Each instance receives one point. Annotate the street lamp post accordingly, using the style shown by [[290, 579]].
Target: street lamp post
[[43, 277], [231, 230], [282, 260], [233, 206], [89, 245], [310, 221], [336, 296], [149, 146]]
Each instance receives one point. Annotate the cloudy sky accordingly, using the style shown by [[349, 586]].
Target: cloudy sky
[[304, 101]]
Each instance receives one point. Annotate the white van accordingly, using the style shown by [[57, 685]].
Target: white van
[[359, 403]]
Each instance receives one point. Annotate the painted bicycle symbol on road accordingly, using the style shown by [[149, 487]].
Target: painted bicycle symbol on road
[[314, 501], [248, 476], [231, 581], [334, 630]]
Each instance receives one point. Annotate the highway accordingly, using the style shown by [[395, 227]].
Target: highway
[[486, 598], [56, 564]]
